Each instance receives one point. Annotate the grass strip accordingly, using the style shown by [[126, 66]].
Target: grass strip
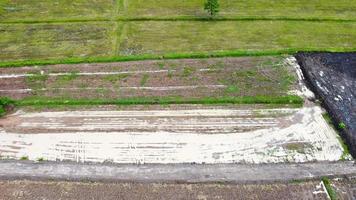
[[198, 55], [178, 18], [329, 188], [291, 99]]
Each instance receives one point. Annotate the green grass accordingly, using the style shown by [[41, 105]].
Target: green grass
[[55, 41], [4, 101], [195, 55], [329, 188], [25, 10], [24, 158], [205, 36], [305, 9], [66, 79], [67, 43], [106, 10], [95, 41], [188, 71], [36, 101], [36, 80]]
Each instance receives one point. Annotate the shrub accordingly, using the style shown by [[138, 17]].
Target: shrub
[[342, 125], [4, 101]]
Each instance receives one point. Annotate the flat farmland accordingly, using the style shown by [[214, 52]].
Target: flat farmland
[[109, 39], [78, 190], [91, 30], [56, 10], [162, 37], [185, 79], [49, 41], [324, 9], [62, 10]]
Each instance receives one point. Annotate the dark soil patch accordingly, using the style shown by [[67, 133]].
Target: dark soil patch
[[77, 190], [332, 76]]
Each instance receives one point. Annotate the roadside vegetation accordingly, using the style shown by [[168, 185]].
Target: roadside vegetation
[[330, 190], [346, 152]]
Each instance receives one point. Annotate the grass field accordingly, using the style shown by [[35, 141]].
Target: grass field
[[56, 10], [63, 10], [46, 41], [62, 31], [307, 9], [157, 37], [108, 39]]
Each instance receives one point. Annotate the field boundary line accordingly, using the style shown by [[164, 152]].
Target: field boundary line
[[196, 55], [173, 173], [119, 18]]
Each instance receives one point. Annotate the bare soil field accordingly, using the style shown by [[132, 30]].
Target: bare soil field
[[259, 76], [344, 188], [79, 190]]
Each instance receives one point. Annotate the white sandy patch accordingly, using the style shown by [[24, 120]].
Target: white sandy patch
[[267, 145], [303, 89]]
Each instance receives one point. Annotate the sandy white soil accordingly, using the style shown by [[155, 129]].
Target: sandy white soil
[[172, 136]]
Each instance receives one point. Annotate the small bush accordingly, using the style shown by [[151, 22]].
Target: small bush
[[24, 158], [342, 125], [4, 101]]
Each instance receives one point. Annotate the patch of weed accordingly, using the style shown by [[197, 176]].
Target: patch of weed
[[65, 79], [188, 71], [24, 158], [232, 89], [330, 190], [161, 65], [144, 80], [342, 125], [36, 80], [4, 102], [114, 78], [40, 159]]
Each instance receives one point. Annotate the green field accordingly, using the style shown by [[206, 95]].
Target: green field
[[62, 10], [108, 39], [56, 10], [157, 37], [46, 41], [325, 9], [108, 30]]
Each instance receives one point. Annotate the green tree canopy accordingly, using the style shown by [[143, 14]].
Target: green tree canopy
[[212, 7]]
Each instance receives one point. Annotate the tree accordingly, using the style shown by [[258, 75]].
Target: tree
[[212, 7]]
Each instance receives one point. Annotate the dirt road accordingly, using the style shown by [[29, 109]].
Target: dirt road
[[173, 173]]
